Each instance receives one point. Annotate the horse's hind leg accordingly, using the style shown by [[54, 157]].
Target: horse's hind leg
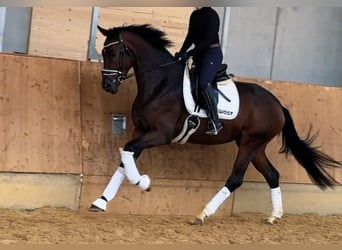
[[265, 167], [244, 157]]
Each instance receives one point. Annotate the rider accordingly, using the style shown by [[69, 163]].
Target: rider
[[207, 54]]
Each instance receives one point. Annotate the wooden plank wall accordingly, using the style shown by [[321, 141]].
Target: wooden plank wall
[[172, 20], [53, 34], [60, 32], [56, 118], [64, 32], [39, 115]]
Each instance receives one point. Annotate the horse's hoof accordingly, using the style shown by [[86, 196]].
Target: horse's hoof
[[271, 220], [198, 221], [99, 205], [94, 208]]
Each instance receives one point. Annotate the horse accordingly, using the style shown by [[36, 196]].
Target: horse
[[159, 114]]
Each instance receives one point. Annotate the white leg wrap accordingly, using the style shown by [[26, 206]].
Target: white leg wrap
[[132, 172], [114, 184], [216, 201], [277, 204], [111, 189]]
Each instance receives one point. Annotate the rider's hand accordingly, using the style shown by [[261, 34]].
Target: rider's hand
[[181, 56]]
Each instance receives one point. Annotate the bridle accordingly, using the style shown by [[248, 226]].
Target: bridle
[[119, 73]]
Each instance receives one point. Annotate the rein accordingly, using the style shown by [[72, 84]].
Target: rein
[[121, 75], [148, 70]]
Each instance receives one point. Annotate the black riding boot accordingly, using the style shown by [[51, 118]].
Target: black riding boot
[[214, 124]]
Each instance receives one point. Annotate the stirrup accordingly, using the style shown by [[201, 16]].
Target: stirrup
[[214, 130]]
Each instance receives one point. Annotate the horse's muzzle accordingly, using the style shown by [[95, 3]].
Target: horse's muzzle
[[110, 85]]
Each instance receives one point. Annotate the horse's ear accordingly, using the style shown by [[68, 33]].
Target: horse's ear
[[102, 30]]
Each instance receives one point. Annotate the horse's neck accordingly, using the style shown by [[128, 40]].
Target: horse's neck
[[154, 79], [149, 59], [149, 84]]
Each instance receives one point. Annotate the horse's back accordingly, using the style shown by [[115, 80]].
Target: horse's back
[[258, 106], [256, 91]]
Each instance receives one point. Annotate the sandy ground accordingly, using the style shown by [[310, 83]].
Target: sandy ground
[[52, 225]]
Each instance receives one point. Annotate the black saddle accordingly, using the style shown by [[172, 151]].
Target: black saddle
[[221, 74]]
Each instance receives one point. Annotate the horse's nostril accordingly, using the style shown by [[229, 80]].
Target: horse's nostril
[[107, 86]]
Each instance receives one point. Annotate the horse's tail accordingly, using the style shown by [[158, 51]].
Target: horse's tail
[[313, 160]]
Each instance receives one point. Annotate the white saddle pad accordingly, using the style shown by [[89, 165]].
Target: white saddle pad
[[227, 110]]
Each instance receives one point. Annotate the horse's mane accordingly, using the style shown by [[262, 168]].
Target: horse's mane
[[153, 36]]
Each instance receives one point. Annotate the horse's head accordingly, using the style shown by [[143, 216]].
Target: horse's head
[[117, 60]]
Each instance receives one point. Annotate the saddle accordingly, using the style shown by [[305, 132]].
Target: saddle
[[227, 96], [227, 101], [221, 75]]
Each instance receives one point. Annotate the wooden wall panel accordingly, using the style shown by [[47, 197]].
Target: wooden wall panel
[[60, 32], [191, 162], [64, 32], [172, 20], [39, 115], [41, 129]]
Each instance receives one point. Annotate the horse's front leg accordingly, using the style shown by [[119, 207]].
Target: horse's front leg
[[128, 168], [110, 191], [132, 172], [100, 204], [148, 140]]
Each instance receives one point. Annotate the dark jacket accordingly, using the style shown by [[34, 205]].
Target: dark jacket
[[203, 31]]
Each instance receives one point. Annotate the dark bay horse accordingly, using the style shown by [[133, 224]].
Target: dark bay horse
[[158, 115]]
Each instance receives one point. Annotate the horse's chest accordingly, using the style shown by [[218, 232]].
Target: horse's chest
[[149, 115], [143, 115]]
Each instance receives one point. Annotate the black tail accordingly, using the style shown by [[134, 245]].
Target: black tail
[[313, 160]]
